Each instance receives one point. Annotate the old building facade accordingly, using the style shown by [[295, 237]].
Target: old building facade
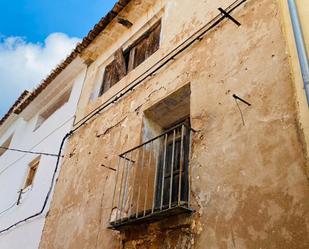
[[191, 131], [32, 130]]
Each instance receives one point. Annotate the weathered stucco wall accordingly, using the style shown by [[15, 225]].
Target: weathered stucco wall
[[249, 185]]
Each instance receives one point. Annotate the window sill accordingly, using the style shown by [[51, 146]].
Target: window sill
[[150, 217]]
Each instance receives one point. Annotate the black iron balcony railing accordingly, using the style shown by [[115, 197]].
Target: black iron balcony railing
[[153, 179]]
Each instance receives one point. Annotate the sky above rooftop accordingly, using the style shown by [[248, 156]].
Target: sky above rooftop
[[35, 35]]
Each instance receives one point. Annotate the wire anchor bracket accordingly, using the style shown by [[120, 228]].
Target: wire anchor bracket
[[242, 100], [19, 197], [227, 15]]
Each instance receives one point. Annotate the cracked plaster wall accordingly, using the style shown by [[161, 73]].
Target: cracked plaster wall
[[249, 185]]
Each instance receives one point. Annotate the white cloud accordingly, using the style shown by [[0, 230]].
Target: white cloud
[[23, 64]]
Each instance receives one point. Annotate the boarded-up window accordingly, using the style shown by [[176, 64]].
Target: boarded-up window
[[5, 145], [126, 61], [33, 167]]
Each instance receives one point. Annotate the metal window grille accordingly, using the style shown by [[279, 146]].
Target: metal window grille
[[153, 179]]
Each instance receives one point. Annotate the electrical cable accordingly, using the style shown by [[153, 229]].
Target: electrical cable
[[115, 97], [11, 206], [240, 111], [28, 152]]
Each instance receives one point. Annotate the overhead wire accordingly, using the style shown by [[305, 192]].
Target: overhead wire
[[28, 151], [7, 209], [240, 111]]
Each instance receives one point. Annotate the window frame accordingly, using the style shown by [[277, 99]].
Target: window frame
[[124, 61], [132, 48], [31, 173], [52, 108]]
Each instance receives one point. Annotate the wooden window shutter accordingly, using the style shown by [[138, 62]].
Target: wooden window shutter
[[120, 64], [153, 41], [107, 78], [140, 52], [114, 71], [147, 45]]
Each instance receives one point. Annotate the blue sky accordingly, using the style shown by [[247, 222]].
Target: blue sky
[[35, 35]]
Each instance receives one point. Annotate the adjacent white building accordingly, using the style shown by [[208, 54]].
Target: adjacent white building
[[37, 122]]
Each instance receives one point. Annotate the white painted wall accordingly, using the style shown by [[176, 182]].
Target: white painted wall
[[14, 169]]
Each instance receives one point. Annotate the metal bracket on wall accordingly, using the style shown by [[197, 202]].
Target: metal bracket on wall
[[240, 111], [242, 100], [19, 197], [227, 15]]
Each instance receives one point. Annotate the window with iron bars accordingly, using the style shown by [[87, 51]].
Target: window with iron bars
[[153, 179]]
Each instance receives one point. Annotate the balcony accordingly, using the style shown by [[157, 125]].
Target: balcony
[[153, 179]]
